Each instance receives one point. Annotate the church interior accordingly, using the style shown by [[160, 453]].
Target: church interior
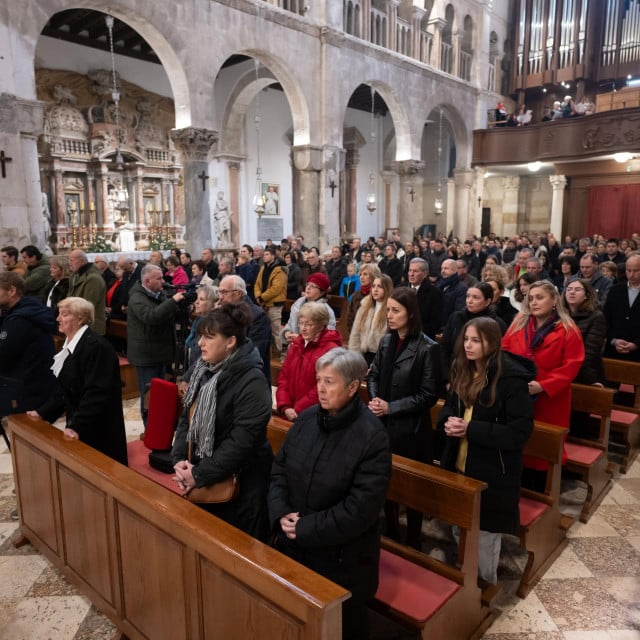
[[143, 125]]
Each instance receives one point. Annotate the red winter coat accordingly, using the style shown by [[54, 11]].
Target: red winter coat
[[297, 380], [558, 359]]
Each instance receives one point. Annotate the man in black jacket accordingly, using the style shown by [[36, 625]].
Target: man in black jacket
[[391, 265], [336, 270], [429, 296], [454, 293]]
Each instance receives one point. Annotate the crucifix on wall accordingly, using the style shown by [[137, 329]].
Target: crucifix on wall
[[204, 177], [411, 193], [3, 163]]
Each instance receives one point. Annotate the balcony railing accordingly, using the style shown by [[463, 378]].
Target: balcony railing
[[295, 6], [446, 57], [466, 60]]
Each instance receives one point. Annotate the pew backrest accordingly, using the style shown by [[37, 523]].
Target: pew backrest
[[625, 373]]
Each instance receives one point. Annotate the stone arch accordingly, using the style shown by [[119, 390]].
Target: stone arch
[[152, 32], [459, 129], [272, 71]]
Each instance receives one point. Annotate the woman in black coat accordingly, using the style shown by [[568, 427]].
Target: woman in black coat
[[89, 386], [488, 418], [478, 304], [58, 287], [403, 385], [328, 483], [230, 404]]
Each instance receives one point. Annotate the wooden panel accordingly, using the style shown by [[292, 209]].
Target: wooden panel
[[35, 495], [230, 610], [152, 568], [85, 535]]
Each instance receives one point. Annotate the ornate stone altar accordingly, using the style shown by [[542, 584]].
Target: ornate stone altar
[[96, 200]]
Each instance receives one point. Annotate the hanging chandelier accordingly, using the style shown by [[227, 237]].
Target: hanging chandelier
[[258, 198], [115, 95], [371, 196], [438, 204]]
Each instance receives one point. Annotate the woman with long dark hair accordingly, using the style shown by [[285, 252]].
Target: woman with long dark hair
[[487, 420], [403, 384]]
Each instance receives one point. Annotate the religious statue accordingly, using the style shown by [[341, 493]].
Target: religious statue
[[222, 220], [46, 222]]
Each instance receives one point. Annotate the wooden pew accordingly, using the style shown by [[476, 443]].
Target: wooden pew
[[340, 308], [541, 532], [118, 329], [422, 593], [156, 565], [625, 418], [587, 457]]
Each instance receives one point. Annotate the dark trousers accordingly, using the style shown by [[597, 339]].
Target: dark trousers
[[144, 375]]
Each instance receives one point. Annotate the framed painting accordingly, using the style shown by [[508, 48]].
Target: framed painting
[[271, 195]]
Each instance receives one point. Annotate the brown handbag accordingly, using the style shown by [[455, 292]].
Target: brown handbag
[[219, 492]]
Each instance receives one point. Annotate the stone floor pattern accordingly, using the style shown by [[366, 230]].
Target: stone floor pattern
[[592, 592]]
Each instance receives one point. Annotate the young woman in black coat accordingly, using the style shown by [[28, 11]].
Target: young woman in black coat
[[403, 384], [231, 406], [488, 418], [328, 483]]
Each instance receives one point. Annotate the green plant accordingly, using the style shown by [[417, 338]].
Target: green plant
[[99, 245], [160, 242]]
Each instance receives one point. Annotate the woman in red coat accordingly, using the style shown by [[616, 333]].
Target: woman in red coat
[[545, 333], [297, 388]]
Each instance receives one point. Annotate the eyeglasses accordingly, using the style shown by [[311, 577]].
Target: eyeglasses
[[225, 292]]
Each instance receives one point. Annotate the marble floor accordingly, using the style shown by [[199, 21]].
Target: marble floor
[[592, 592]]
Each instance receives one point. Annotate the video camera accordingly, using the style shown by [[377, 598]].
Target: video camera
[[189, 291]]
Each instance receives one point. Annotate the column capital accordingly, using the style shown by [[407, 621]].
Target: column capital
[[407, 168], [308, 157], [21, 116], [352, 158], [195, 144], [558, 182], [437, 23]]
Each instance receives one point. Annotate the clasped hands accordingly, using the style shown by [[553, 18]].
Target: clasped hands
[[288, 525], [456, 427], [184, 476], [379, 407]]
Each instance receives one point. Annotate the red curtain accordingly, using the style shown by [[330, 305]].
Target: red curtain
[[614, 210]]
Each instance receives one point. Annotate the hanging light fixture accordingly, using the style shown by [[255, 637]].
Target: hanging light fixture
[[258, 198], [115, 95], [371, 196], [438, 204]]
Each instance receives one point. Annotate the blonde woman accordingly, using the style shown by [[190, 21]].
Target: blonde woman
[[368, 272], [370, 323]]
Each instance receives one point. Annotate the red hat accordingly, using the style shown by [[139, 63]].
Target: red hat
[[320, 280]]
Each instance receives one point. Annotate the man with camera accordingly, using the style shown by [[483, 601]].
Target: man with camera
[[150, 329]]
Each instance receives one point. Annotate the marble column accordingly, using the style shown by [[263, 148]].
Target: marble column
[[177, 219], [416, 33], [91, 195], [310, 218], [450, 208], [392, 14], [463, 222], [233, 166], [106, 217], [140, 215], [558, 184], [352, 141], [196, 146], [410, 211], [511, 189], [390, 220], [131, 191]]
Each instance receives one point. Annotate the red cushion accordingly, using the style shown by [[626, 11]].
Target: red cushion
[[163, 414], [623, 417], [138, 456], [530, 510], [582, 454], [122, 361], [411, 589], [627, 388]]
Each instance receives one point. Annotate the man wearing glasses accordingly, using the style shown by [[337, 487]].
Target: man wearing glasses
[[233, 290]]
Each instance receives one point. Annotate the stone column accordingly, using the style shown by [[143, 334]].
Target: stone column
[[478, 195], [392, 14], [365, 8], [456, 41], [233, 167], [511, 187], [177, 218], [140, 215], [450, 208], [410, 197], [436, 50], [310, 218], [91, 194], [104, 196], [558, 184], [196, 145], [352, 140], [390, 220], [463, 222], [131, 191], [416, 21], [59, 200]]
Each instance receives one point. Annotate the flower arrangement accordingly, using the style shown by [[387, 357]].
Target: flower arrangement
[[99, 245], [160, 242]]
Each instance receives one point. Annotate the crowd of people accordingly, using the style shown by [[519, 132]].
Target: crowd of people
[[498, 327]]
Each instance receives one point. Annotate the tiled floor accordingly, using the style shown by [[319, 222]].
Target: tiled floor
[[592, 592]]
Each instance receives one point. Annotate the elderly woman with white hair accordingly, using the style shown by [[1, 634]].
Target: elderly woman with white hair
[[89, 386], [328, 485]]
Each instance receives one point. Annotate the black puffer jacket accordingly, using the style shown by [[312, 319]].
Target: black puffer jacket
[[334, 472], [497, 436], [593, 328], [408, 380], [243, 409]]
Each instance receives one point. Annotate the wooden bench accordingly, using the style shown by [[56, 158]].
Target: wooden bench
[[420, 592], [117, 328], [587, 456], [625, 415], [158, 566], [541, 532], [340, 307]]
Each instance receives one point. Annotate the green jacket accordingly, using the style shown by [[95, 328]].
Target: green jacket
[[150, 327], [88, 283], [36, 278]]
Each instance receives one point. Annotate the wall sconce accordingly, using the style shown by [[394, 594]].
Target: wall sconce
[[534, 166]]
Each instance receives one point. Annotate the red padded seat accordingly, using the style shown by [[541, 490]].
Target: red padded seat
[[163, 414], [627, 388], [623, 417], [138, 456], [530, 510], [582, 454], [410, 589]]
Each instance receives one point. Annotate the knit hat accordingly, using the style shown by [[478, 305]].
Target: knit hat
[[320, 280]]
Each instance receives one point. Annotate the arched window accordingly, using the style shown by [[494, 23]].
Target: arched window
[[446, 44], [466, 49]]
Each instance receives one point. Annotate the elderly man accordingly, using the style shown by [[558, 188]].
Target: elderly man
[[233, 290], [108, 275], [622, 312], [37, 276], [313, 265], [131, 271], [463, 272], [590, 270], [150, 329], [429, 296], [225, 268], [454, 293], [87, 282]]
